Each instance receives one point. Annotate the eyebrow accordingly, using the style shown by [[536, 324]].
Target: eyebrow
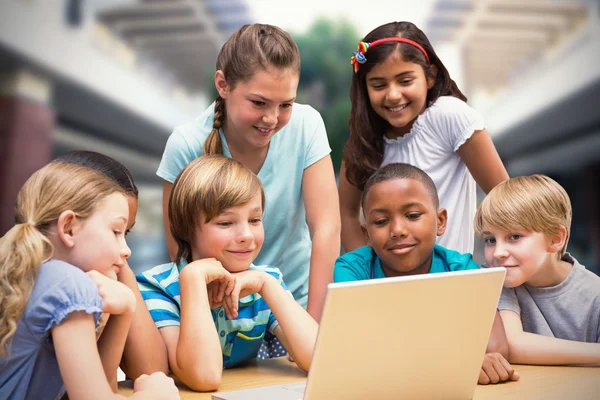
[[378, 78], [232, 213], [263, 98], [121, 217], [409, 205]]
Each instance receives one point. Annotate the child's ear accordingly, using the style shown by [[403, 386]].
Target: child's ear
[[66, 228], [431, 78], [557, 241], [442, 219], [221, 84], [363, 228]]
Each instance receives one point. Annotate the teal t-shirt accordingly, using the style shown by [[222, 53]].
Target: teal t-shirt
[[363, 263], [298, 145]]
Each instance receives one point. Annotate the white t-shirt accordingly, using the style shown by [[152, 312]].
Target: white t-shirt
[[431, 145]]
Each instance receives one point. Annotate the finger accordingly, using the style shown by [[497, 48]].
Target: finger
[[221, 291], [515, 376], [230, 285], [483, 378], [490, 371], [507, 366], [501, 371]]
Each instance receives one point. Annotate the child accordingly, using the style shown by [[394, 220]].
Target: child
[[145, 351], [58, 270], [213, 306], [402, 221], [550, 304], [406, 108], [255, 121]]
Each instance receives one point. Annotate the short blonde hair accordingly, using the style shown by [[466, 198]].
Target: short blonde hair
[[533, 203], [205, 188]]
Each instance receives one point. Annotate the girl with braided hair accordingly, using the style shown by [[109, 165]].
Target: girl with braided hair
[[255, 121]]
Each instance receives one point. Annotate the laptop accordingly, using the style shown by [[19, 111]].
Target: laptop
[[417, 337]]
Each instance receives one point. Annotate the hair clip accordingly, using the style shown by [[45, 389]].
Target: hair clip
[[359, 57]]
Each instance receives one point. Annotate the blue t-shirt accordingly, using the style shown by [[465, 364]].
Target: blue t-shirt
[[240, 337], [363, 263], [30, 371], [298, 145]]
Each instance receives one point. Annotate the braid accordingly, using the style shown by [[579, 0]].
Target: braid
[[213, 144]]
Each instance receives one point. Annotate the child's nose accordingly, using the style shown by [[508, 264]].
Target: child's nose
[[270, 117], [245, 234], [395, 92], [125, 251], [398, 229], [500, 251]]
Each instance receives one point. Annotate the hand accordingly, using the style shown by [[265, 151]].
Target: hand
[[496, 369], [117, 299], [246, 282], [158, 386], [219, 282]]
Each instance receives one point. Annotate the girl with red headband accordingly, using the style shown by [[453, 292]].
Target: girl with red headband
[[406, 108]]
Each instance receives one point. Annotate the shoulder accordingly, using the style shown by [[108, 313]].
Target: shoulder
[[448, 105], [586, 278], [59, 290], [305, 119], [354, 265], [449, 112], [456, 261], [195, 131], [160, 276]]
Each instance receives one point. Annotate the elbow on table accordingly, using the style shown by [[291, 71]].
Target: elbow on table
[[203, 379]]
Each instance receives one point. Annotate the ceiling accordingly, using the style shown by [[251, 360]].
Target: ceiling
[[497, 36], [180, 38]]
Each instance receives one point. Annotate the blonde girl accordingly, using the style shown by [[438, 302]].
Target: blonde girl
[[58, 270]]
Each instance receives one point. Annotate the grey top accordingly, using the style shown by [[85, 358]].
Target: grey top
[[30, 371], [569, 310]]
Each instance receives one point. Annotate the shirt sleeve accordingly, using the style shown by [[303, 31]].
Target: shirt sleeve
[[178, 153], [164, 310], [456, 120], [509, 301], [273, 323], [350, 269], [71, 293], [318, 143]]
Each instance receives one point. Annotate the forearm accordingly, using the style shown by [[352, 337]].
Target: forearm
[[299, 328], [145, 351], [530, 348], [199, 360], [352, 236], [497, 342], [325, 250], [111, 345]]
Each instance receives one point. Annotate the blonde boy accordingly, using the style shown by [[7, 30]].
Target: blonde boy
[[550, 304]]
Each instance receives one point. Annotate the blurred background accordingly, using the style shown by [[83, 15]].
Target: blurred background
[[115, 76]]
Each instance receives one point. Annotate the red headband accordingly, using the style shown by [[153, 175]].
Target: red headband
[[358, 57]]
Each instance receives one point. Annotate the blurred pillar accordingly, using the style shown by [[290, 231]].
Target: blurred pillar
[[26, 124], [592, 194]]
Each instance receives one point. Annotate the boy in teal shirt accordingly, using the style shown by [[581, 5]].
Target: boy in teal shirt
[[402, 221]]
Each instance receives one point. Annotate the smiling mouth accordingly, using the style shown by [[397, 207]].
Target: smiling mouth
[[402, 248], [397, 108], [265, 131], [241, 253]]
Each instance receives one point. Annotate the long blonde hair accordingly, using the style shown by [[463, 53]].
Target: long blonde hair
[[533, 203], [205, 188], [249, 48], [53, 189]]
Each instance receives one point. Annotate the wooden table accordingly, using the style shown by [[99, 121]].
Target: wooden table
[[572, 383]]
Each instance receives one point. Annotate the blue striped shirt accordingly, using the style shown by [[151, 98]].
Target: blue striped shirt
[[240, 338]]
